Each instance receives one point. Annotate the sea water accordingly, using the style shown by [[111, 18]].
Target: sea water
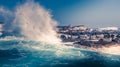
[[35, 43], [19, 52]]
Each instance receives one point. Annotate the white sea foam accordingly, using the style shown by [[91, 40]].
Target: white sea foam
[[114, 49]]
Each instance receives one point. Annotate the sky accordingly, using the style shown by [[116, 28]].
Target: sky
[[91, 13]]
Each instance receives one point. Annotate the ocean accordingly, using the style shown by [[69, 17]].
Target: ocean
[[19, 52], [35, 43]]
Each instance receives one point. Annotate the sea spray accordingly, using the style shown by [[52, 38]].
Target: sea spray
[[36, 23], [112, 49], [7, 17]]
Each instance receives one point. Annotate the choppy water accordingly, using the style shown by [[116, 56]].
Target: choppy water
[[19, 52]]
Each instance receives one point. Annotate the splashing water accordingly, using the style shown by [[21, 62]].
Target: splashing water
[[114, 49], [36, 23], [7, 18]]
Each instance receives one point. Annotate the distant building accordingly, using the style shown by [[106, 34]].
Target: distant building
[[79, 27], [108, 28], [64, 27]]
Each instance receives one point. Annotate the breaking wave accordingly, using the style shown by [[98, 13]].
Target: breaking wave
[[38, 44]]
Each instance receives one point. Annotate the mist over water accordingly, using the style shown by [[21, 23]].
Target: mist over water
[[7, 17]]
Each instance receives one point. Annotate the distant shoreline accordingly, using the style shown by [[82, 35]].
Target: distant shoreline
[[82, 36]]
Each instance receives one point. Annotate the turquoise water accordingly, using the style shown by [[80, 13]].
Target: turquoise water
[[20, 52]]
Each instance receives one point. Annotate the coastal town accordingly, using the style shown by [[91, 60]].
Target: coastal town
[[92, 37]]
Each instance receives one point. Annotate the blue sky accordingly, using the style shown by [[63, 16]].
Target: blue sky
[[91, 13]]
